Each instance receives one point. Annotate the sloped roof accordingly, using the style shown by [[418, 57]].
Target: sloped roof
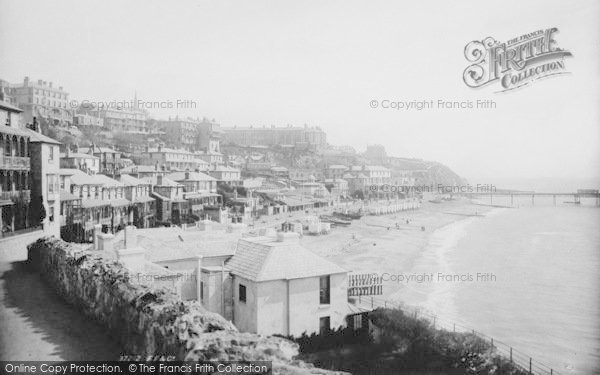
[[106, 181], [264, 258], [193, 176], [66, 196], [9, 107], [79, 177], [35, 137], [89, 203], [128, 180], [14, 130], [171, 243]]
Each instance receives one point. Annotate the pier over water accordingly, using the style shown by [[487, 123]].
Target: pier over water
[[576, 197]]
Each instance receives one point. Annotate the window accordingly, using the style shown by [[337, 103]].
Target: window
[[52, 181], [51, 157], [357, 321], [201, 290], [51, 213], [324, 325], [242, 293], [324, 290]]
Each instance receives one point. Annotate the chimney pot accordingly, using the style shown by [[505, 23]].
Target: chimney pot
[[130, 237]]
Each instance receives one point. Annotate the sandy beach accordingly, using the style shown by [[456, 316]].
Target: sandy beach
[[368, 246]]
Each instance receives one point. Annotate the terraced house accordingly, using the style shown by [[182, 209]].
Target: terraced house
[[110, 159], [15, 171], [28, 172], [91, 200], [138, 192], [200, 190]]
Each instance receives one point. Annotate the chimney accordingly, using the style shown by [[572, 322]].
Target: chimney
[[97, 231], [130, 237], [60, 88], [40, 82], [105, 242], [26, 81], [68, 152], [50, 84], [76, 148], [133, 259], [187, 174], [159, 180], [159, 147], [36, 126]]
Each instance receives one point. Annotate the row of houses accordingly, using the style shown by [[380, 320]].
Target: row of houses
[[341, 180], [143, 197]]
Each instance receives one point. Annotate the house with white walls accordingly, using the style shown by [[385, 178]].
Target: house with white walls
[[264, 284], [280, 287]]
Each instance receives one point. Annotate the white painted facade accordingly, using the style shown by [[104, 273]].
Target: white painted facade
[[288, 307]]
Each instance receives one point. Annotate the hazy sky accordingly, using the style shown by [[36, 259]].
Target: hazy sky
[[321, 63]]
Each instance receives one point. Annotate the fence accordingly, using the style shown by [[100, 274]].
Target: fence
[[524, 361]]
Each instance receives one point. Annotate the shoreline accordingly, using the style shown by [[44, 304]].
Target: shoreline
[[374, 244]]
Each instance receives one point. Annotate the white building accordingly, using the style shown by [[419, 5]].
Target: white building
[[280, 287], [173, 159], [45, 174], [86, 162], [227, 175]]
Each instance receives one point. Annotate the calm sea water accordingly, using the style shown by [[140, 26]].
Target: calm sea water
[[541, 294]]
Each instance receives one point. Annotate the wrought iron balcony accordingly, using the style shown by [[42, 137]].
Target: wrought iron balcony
[[14, 162], [14, 194]]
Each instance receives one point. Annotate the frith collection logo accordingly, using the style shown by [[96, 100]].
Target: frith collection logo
[[514, 63]]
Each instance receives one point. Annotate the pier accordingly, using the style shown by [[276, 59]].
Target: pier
[[576, 197]]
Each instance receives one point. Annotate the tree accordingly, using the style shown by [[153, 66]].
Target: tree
[[37, 212]]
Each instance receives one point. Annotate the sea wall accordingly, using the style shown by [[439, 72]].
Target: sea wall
[[152, 322]]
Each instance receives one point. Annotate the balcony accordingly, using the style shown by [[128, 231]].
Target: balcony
[[10, 195], [14, 163]]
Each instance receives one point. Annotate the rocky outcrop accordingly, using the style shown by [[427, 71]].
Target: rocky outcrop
[[152, 322]]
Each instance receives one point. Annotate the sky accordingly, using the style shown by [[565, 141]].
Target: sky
[[321, 63]]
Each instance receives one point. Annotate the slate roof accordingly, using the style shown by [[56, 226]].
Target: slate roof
[[9, 107], [162, 244], [106, 181], [128, 180], [194, 176], [263, 259], [35, 137]]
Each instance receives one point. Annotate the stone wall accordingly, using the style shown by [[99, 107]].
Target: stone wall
[[152, 322]]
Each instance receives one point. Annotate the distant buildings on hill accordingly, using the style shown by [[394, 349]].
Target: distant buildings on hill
[[310, 138]]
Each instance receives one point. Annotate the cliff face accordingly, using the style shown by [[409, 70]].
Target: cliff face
[[152, 322]]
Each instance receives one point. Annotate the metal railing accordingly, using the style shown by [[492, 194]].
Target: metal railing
[[14, 162], [520, 359], [8, 195]]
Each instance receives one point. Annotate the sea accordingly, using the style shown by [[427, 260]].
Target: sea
[[528, 277]]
